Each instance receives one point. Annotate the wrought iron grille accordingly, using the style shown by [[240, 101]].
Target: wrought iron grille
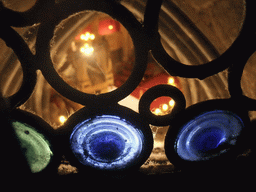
[[205, 135]]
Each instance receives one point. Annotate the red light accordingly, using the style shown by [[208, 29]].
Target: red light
[[108, 26]]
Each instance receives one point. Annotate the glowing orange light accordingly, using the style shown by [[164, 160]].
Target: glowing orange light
[[87, 36], [171, 81], [165, 107], [172, 103], [157, 111], [62, 119], [92, 36]]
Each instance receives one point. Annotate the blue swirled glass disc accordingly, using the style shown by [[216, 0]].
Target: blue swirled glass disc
[[208, 135], [106, 142]]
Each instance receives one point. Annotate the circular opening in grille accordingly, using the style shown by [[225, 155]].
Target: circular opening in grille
[[92, 52], [19, 6], [162, 106], [193, 40], [107, 143], [208, 135]]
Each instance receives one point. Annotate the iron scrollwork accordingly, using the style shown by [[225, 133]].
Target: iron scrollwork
[[146, 38]]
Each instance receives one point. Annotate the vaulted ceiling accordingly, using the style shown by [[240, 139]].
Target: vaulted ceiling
[[192, 32]]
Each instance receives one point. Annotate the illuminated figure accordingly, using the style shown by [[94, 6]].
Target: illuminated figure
[[91, 62]]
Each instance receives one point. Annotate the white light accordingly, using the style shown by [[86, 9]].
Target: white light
[[171, 81], [157, 111], [172, 103], [110, 27], [92, 36], [87, 49], [165, 107], [62, 119], [87, 36]]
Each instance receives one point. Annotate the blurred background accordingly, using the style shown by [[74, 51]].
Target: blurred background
[[94, 53]]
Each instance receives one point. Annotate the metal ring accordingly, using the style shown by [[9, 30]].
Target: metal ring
[[158, 91], [234, 79], [200, 112], [117, 11], [26, 59], [39, 134], [176, 68], [87, 115]]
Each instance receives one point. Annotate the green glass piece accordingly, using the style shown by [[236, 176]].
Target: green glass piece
[[35, 146]]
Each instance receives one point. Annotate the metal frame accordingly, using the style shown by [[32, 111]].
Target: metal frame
[[146, 38]]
